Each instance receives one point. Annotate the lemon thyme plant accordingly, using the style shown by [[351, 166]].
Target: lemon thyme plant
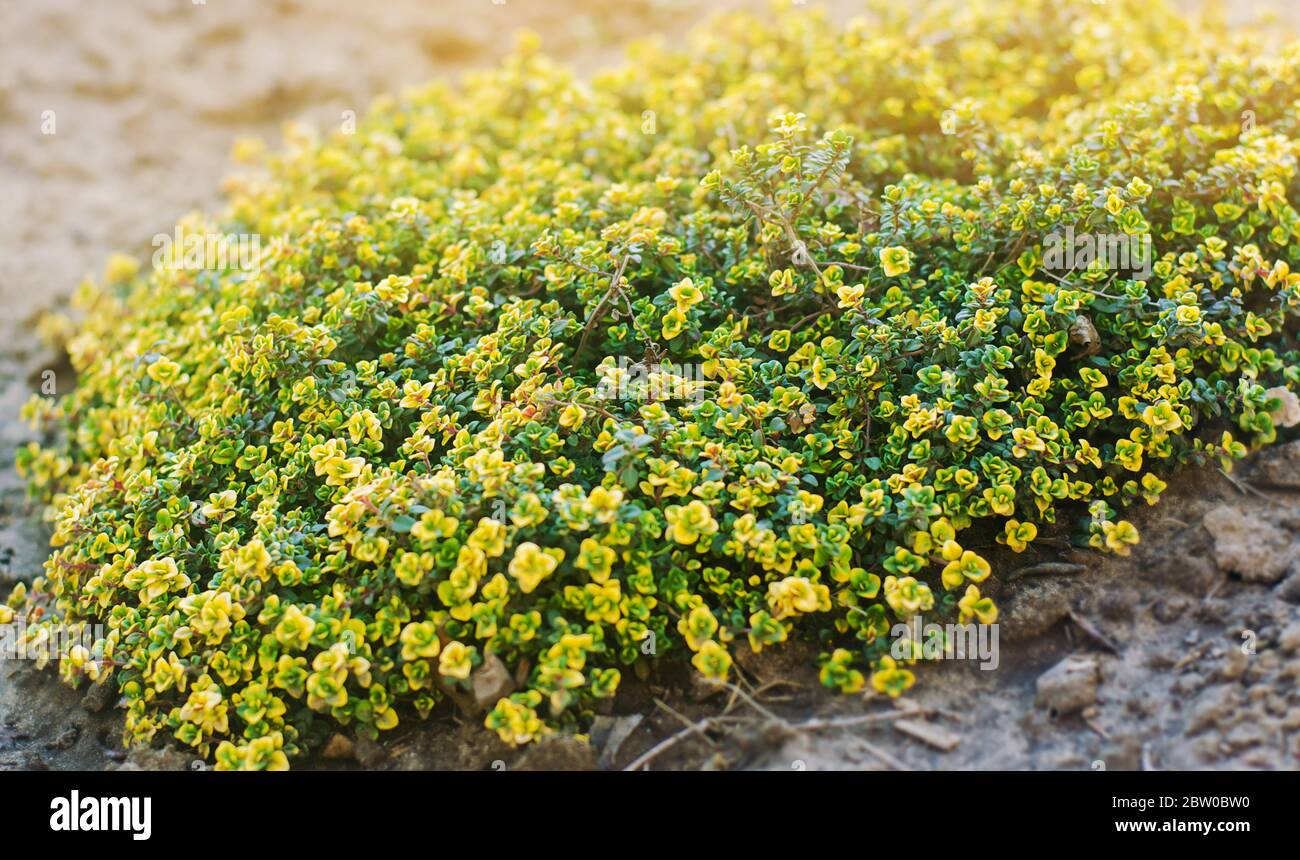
[[381, 468]]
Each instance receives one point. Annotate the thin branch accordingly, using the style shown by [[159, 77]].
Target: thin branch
[[685, 721], [615, 286], [670, 742]]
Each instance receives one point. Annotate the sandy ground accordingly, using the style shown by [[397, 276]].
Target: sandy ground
[[146, 98], [1187, 655]]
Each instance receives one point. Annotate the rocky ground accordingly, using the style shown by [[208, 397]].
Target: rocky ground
[[1186, 655]]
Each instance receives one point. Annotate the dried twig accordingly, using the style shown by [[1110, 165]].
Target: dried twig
[[1245, 488], [700, 727], [855, 720], [883, 756], [670, 742], [685, 721], [1093, 633], [753, 703], [929, 734], [1092, 724]]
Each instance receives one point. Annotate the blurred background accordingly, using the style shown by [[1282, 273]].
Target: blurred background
[[118, 117]]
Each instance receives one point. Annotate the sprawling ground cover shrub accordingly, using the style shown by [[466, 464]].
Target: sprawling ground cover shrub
[[535, 381]]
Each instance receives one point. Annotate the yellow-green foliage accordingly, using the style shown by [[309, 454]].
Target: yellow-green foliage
[[746, 341]]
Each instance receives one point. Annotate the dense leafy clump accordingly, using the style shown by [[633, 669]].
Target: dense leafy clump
[[535, 381]]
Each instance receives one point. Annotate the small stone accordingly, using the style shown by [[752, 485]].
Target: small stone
[[1069, 761], [1265, 662], [1139, 706], [1070, 685], [560, 752], [338, 748], [1207, 747], [1211, 708], [703, 689], [1289, 641], [1034, 610], [98, 697], [491, 682], [167, 758], [1278, 467], [1245, 734], [1289, 590], [1292, 670], [1115, 607], [1159, 660], [1191, 572], [1259, 759], [1234, 664], [1169, 609], [369, 753], [1212, 610], [1083, 334], [1253, 548], [65, 740]]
